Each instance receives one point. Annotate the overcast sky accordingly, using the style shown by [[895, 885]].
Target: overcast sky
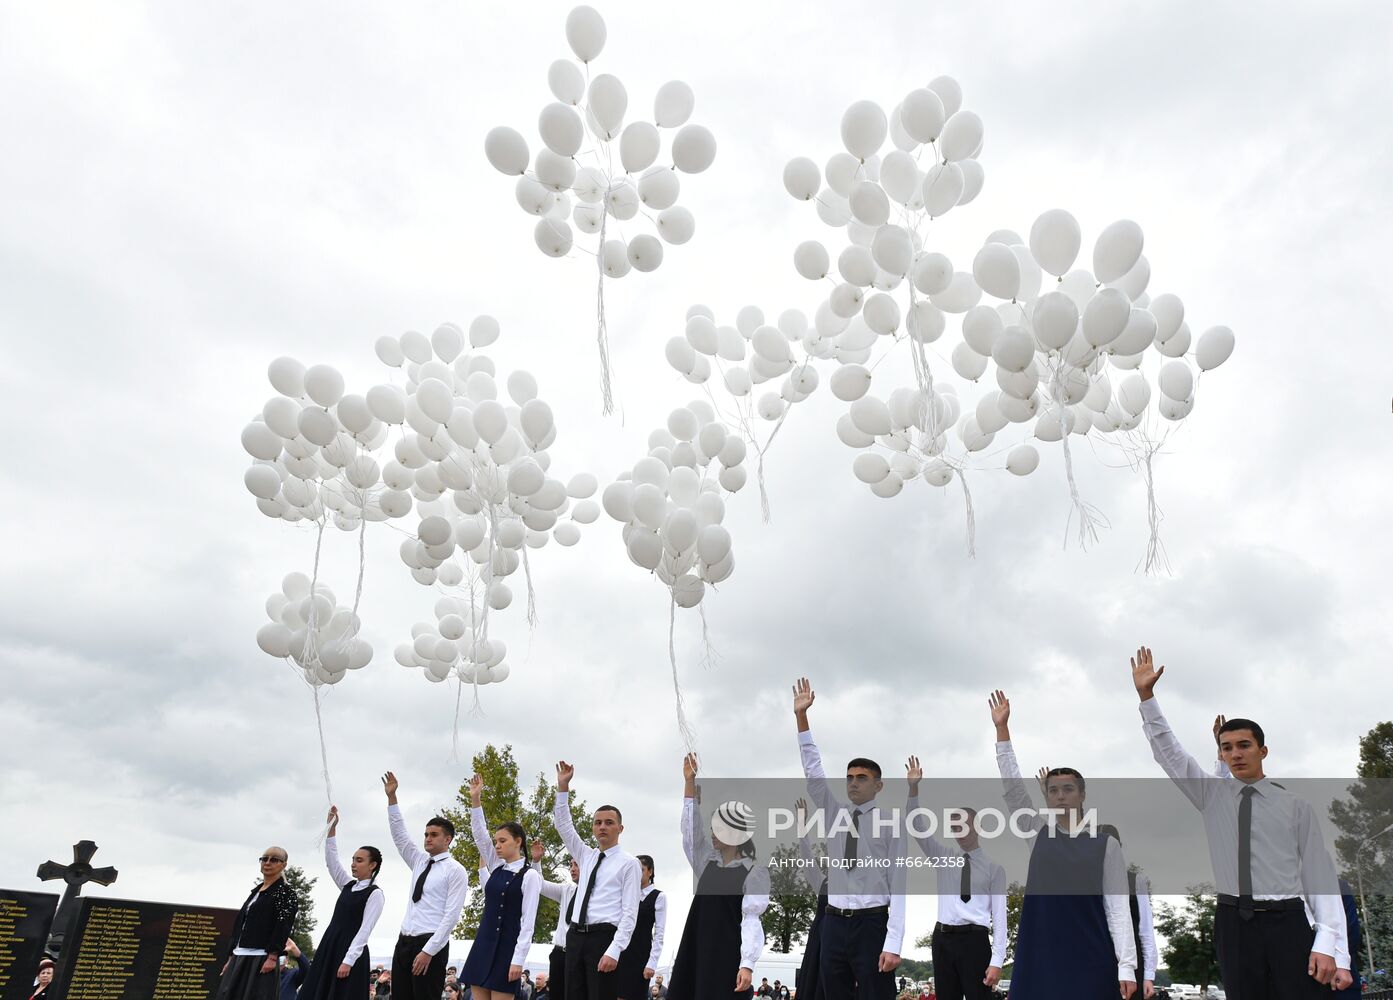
[[192, 191]]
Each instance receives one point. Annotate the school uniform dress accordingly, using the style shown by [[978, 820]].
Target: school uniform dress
[[345, 941], [865, 900], [439, 887], [263, 924], [806, 979], [723, 933], [510, 911], [1279, 896], [604, 917], [645, 946], [1143, 926], [564, 893], [1075, 910], [971, 933]]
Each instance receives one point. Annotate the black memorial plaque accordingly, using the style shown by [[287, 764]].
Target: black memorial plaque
[[135, 949], [25, 918]]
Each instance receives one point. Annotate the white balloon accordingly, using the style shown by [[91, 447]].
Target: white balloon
[[899, 176], [871, 415], [732, 478], [811, 260], [506, 149], [638, 146], [968, 363], [693, 149], [561, 129], [1175, 380], [323, 384], [389, 351], [566, 81], [614, 256], [566, 533], [522, 386], [1106, 316], [1022, 460], [949, 92], [536, 420], [1014, 350], [738, 382], [533, 197], [925, 322], [618, 501], [1173, 409], [436, 399], [850, 382], [676, 225], [1055, 238], [869, 203], [490, 421], [645, 252], [882, 313], [287, 377], [1134, 394], [608, 100], [1134, 282], [922, 115], [973, 179], [1214, 347], [1055, 319], [1169, 312], [317, 426], [687, 591], [863, 129], [732, 452], [892, 249], [1137, 335], [870, 467], [680, 354], [673, 104], [1117, 250], [585, 33], [262, 481], [525, 478], [889, 486], [942, 188], [962, 135], [659, 187], [802, 178], [997, 271]]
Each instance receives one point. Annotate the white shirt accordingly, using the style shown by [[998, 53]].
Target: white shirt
[[864, 886], [659, 924], [531, 881], [1147, 928], [372, 909], [1116, 903], [614, 900], [987, 885], [1289, 859], [444, 894], [697, 846], [563, 893]]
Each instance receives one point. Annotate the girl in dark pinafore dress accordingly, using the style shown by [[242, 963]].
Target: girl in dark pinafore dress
[[499, 953], [808, 981], [723, 937], [638, 963], [1075, 936], [341, 963]]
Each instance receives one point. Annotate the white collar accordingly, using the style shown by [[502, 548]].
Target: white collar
[[362, 883], [514, 866]]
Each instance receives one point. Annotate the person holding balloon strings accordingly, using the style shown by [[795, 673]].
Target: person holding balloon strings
[[499, 952], [863, 924], [340, 970]]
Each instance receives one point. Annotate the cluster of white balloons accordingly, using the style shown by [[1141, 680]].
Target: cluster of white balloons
[[308, 628], [574, 180], [455, 644], [671, 506], [474, 468]]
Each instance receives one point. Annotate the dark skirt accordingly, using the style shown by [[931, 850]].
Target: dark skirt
[[809, 980], [323, 982], [244, 980], [1058, 919], [491, 955]]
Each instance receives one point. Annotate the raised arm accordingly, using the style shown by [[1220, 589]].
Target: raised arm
[[479, 827], [803, 698], [340, 877], [548, 888], [531, 889], [561, 812], [1321, 887], [812, 871], [659, 929], [695, 844], [1192, 779], [406, 847], [928, 843], [1013, 786]]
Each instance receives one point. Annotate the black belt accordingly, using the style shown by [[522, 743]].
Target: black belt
[[959, 928], [1291, 903], [591, 928], [863, 911]]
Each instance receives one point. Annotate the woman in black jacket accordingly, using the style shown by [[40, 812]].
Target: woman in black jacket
[[259, 935]]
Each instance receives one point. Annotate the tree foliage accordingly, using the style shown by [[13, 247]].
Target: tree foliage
[[792, 902], [305, 921], [1189, 931]]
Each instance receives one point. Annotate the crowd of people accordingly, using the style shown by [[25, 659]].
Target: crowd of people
[[1281, 938]]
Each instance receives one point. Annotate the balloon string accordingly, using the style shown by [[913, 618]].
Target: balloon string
[[531, 594], [710, 656], [684, 728], [1089, 516], [759, 471], [324, 764], [601, 330], [1156, 560], [971, 516]]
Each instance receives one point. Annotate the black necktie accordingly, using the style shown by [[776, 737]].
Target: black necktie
[[853, 839], [965, 890], [1245, 852], [590, 887], [421, 882]]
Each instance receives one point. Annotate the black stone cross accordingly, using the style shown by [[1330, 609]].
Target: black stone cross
[[77, 874]]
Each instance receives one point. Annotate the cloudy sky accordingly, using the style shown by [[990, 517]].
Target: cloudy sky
[[194, 191]]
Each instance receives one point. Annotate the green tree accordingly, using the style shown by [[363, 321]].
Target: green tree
[[792, 902], [305, 922], [1189, 933], [1361, 820], [504, 802]]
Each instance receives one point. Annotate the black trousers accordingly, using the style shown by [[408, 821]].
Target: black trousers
[[556, 975], [584, 980], [1265, 958], [851, 948], [960, 963], [405, 986]]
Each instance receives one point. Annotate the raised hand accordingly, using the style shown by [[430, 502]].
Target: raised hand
[[538, 850], [1043, 776], [1145, 674], [913, 774], [389, 785], [333, 820], [1001, 712], [476, 791], [564, 773], [690, 766], [803, 696], [1219, 721], [802, 808]]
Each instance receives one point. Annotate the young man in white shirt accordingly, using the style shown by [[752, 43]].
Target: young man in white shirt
[[1269, 860], [439, 887]]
